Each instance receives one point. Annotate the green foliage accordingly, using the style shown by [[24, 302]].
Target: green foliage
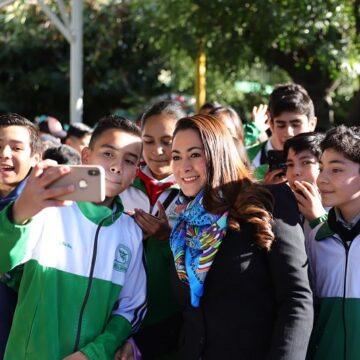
[[119, 68], [136, 50], [312, 40]]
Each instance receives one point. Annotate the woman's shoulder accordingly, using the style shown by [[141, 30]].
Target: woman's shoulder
[[285, 205]]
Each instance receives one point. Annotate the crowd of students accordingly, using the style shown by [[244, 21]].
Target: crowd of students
[[206, 246]]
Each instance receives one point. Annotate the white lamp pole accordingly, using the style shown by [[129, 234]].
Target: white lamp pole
[[72, 30]]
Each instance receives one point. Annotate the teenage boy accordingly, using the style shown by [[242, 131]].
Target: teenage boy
[[334, 249], [291, 112], [302, 153], [20, 150], [83, 288]]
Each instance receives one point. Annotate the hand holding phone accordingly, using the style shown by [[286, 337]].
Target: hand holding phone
[[88, 180], [308, 199], [36, 195]]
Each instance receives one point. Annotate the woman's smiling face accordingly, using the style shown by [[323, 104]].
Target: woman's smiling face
[[189, 162]]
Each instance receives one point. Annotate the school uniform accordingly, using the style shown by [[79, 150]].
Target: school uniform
[[259, 159], [160, 329], [83, 286], [9, 283], [335, 279]]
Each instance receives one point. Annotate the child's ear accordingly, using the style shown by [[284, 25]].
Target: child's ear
[[312, 123], [35, 159], [85, 155]]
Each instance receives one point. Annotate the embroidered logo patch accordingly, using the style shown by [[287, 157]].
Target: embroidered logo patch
[[122, 258]]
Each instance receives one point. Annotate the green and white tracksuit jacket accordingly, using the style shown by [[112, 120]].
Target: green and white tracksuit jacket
[[335, 278], [258, 158], [83, 286]]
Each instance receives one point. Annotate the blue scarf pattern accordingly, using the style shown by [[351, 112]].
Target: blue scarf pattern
[[195, 240]]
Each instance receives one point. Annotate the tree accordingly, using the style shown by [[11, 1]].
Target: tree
[[119, 69], [309, 39]]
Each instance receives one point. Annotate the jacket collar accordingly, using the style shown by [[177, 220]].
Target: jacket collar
[[324, 232], [95, 213]]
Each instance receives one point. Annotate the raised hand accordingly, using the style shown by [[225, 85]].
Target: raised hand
[[36, 196], [309, 200], [259, 116]]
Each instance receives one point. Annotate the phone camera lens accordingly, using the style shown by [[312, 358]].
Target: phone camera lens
[[93, 172]]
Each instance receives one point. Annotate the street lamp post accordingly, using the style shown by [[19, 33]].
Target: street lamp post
[[72, 30]]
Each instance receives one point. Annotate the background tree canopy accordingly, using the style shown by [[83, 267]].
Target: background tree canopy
[[139, 49]]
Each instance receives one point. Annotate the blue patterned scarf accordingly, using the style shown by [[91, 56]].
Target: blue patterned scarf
[[195, 240]]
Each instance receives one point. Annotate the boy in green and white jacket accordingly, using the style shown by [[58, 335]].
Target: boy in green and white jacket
[[83, 290], [334, 250]]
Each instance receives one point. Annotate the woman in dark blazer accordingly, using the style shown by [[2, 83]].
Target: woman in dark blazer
[[240, 264]]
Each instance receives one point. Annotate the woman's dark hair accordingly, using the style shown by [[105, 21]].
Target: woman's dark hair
[[167, 107], [305, 141], [229, 183]]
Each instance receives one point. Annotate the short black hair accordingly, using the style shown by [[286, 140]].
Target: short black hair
[[290, 98], [13, 119], [345, 140], [78, 130], [63, 154], [165, 107], [310, 141], [114, 122]]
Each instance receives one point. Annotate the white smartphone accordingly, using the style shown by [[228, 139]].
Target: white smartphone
[[89, 182]]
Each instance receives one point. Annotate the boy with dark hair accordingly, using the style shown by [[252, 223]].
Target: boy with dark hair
[[334, 249], [302, 154], [62, 154], [82, 261], [20, 150], [291, 112], [78, 136]]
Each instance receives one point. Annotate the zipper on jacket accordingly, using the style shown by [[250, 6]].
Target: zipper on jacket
[[347, 248], [88, 289]]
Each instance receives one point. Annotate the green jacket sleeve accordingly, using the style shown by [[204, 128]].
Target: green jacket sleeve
[[251, 132], [13, 240], [105, 345]]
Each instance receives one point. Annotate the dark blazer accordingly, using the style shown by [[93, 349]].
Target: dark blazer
[[256, 304]]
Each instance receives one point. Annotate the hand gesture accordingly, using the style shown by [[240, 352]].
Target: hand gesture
[[154, 226], [274, 177], [35, 196], [309, 200], [259, 116], [126, 352], [76, 356]]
